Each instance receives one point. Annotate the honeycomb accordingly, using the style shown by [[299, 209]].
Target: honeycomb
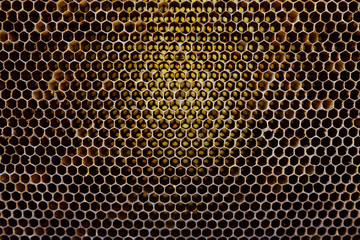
[[179, 119]]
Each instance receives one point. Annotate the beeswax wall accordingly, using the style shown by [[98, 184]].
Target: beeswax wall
[[179, 120]]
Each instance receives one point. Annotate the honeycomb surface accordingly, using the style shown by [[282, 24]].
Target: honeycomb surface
[[179, 120]]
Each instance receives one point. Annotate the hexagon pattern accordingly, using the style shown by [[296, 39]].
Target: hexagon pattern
[[179, 119]]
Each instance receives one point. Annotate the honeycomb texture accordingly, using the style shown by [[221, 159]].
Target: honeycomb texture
[[179, 120]]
